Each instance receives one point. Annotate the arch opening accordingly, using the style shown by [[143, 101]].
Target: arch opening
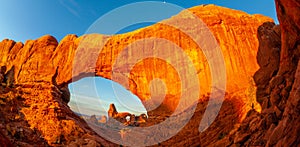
[[92, 96]]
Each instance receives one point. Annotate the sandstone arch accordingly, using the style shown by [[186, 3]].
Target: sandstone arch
[[44, 67], [46, 60]]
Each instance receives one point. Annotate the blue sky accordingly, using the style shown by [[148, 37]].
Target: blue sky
[[92, 95], [31, 19]]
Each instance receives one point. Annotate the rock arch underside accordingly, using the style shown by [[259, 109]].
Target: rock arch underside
[[263, 110]]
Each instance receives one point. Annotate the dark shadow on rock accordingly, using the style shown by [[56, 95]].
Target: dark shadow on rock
[[227, 118], [268, 58]]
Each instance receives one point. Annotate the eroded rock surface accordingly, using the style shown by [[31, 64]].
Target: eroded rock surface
[[34, 92], [277, 82], [46, 60], [125, 118]]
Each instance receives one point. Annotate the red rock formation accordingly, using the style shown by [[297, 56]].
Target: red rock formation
[[112, 111], [278, 83], [234, 30], [40, 70], [284, 86]]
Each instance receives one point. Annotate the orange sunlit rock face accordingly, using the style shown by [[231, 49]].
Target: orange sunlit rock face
[[46, 62], [161, 83], [235, 32], [237, 37]]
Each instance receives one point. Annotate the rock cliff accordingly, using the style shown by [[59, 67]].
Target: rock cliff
[[34, 93], [277, 82]]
